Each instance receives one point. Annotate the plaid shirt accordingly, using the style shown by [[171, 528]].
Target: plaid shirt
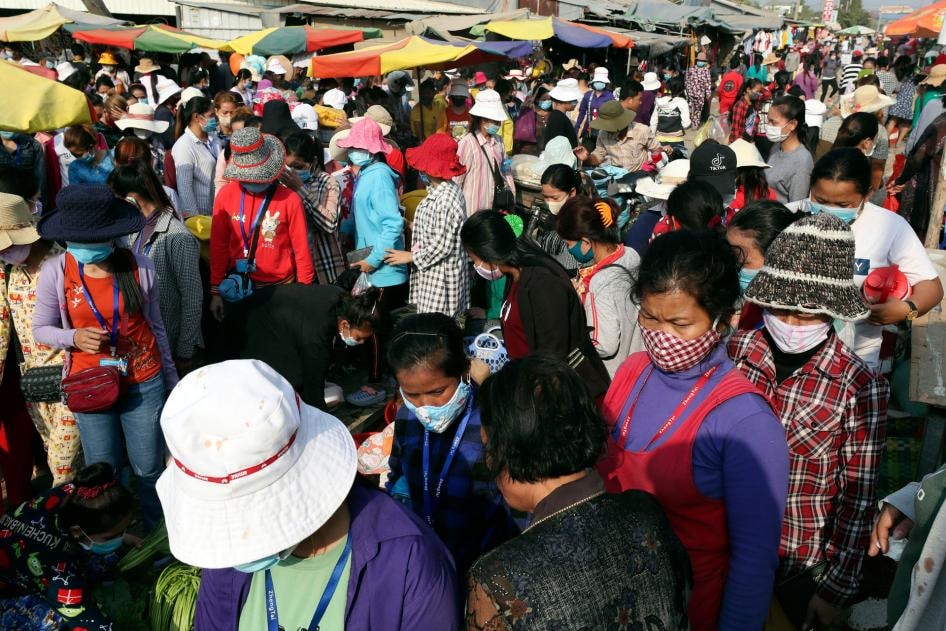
[[440, 275], [834, 410], [320, 198], [470, 517]]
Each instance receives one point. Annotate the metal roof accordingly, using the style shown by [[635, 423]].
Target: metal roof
[[431, 7]]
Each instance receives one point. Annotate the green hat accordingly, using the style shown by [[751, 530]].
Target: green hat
[[613, 117]]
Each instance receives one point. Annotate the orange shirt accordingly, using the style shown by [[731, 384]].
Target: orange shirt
[[136, 342]]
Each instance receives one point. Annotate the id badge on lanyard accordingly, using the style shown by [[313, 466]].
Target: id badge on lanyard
[[117, 362]]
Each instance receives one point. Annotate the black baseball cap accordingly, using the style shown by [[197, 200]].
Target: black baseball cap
[[714, 164]]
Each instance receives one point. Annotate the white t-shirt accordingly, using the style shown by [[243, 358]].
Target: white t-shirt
[[881, 238]]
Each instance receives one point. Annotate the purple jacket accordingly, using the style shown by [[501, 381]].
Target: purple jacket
[[51, 325], [646, 108], [808, 83], [402, 577], [588, 109]]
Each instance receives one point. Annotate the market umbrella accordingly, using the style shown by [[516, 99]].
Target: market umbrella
[[39, 104], [154, 38], [409, 53], [925, 22], [41, 23], [292, 40], [857, 30], [580, 35]]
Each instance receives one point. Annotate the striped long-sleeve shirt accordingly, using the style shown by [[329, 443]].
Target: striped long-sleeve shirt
[[196, 163]]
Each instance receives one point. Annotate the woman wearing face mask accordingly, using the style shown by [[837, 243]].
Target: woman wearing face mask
[[320, 194], [542, 313], [604, 281], [100, 303], [175, 253], [437, 456], [751, 232], [692, 431], [861, 131], [440, 269], [200, 79], [832, 406], [457, 119], [840, 185], [115, 109], [243, 87], [790, 160], [482, 153], [141, 122], [529, 134], [225, 106], [195, 156], [22, 257], [78, 529], [699, 89], [92, 162], [744, 116], [560, 182]]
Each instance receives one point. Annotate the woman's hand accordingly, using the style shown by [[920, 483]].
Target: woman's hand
[[90, 340], [290, 179], [580, 152], [216, 308], [895, 189], [131, 540], [890, 312], [398, 257], [890, 524], [364, 266]]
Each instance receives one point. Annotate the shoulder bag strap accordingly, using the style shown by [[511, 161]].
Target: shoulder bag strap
[[497, 178], [262, 209], [14, 338]]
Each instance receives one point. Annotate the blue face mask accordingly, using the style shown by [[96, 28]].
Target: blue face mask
[[102, 547], [580, 255], [86, 253], [265, 563], [304, 174], [424, 179], [492, 130], [255, 188], [701, 64], [143, 100], [545, 105], [847, 215], [211, 126], [745, 277], [359, 157], [347, 338], [438, 418], [6, 135], [88, 157], [599, 85]]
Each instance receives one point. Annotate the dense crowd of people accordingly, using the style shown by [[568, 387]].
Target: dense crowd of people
[[662, 408]]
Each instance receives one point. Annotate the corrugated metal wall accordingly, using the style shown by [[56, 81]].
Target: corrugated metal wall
[[216, 24], [122, 7]]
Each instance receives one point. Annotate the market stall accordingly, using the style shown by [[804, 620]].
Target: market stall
[[294, 40], [38, 104], [925, 22], [41, 23], [155, 38]]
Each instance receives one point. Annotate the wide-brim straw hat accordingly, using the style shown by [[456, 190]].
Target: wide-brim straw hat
[[489, 105], [866, 98], [437, 156], [147, 65], [17, 225], [809, 268], [571, 63], [936, 76], [613, 117], [366, 135], [670, 177], [747, 155], [253, 469], [255, 157], [90, 213], [281, 63], [334, 151], [141, 116], [378, 114], [770, 59]]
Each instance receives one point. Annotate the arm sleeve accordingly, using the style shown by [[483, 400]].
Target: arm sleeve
[[653, 117], [153, 314], [465, 155], [862, 446], [548, 306], [903, 500], [916, 158], [800, 182], [439, 243], [48, 327], [607, 313], [600, 152], [384, 202], [755, 486], [298, 237], [219, 180], [909, 254], [430, 598], [316, 357], [185, 255], [323, 209], [684, 113], [219, 243], [6, 321], [184, 170]]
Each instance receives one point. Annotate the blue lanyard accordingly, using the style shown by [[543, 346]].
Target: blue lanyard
[[113, 332], [259, 215], [429, 502], [272, 615]]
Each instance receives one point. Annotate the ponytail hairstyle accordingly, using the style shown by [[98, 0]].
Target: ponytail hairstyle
[[197, 105], [564, 178], [99, 502], [793, 108], [754, 184], [857, 128], [361, 311], [747, 85], [583, 218], [242, 75], [487, 235], [782, 79], [137, 176]]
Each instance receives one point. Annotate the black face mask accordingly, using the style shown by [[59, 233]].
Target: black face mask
[[458, 101]]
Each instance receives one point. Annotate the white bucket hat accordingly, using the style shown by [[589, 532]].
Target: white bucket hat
[[334, 151], [651, 81], [601, 74], [669, 177], [566, 91], [747, 155], [141, 116], [335, 98], [189, 93], [253, 471], [305, 117], [489, 105], [166, 89], [65, 70]]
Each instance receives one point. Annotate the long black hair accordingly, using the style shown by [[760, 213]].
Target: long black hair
[[487, 235], [753, 182], [197, 105], [99, 502], [431, 340], [764, 220], [856, 128], [844, 165], [793, 108]]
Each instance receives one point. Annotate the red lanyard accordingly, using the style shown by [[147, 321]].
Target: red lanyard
[[626, 426]]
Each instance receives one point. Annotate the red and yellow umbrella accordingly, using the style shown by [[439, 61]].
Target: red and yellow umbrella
[[925, 22], [294, 40], [411, 52], [154, 38]]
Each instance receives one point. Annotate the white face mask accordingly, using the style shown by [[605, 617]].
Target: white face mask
[[144, 134], [795, 338], [870, 153], [774, 134], [555, 207]]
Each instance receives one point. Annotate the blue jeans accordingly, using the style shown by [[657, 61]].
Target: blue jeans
[[137, 416]]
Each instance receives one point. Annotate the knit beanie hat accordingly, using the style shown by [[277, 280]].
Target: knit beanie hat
[[809, 268]]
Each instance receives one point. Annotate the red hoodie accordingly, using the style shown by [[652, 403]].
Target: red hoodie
[[282, 253], [729, 85]]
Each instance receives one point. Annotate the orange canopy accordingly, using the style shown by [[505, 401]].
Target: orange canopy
[[925, 22]]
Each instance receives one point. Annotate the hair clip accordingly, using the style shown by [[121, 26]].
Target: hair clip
[[92, 492], [607, 217]]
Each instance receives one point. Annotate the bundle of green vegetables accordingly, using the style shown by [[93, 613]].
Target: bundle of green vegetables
[[175, 598], [155, 543]]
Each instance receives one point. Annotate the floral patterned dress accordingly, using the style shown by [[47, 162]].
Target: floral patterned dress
[[698, 89]]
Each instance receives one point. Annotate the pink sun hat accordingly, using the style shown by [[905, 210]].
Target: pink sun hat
[[366, 135]]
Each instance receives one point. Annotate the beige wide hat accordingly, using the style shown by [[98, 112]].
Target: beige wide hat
[[747, 155], [936, 76], [379, 115], [17, 224], [669, 177], [866, 98]]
